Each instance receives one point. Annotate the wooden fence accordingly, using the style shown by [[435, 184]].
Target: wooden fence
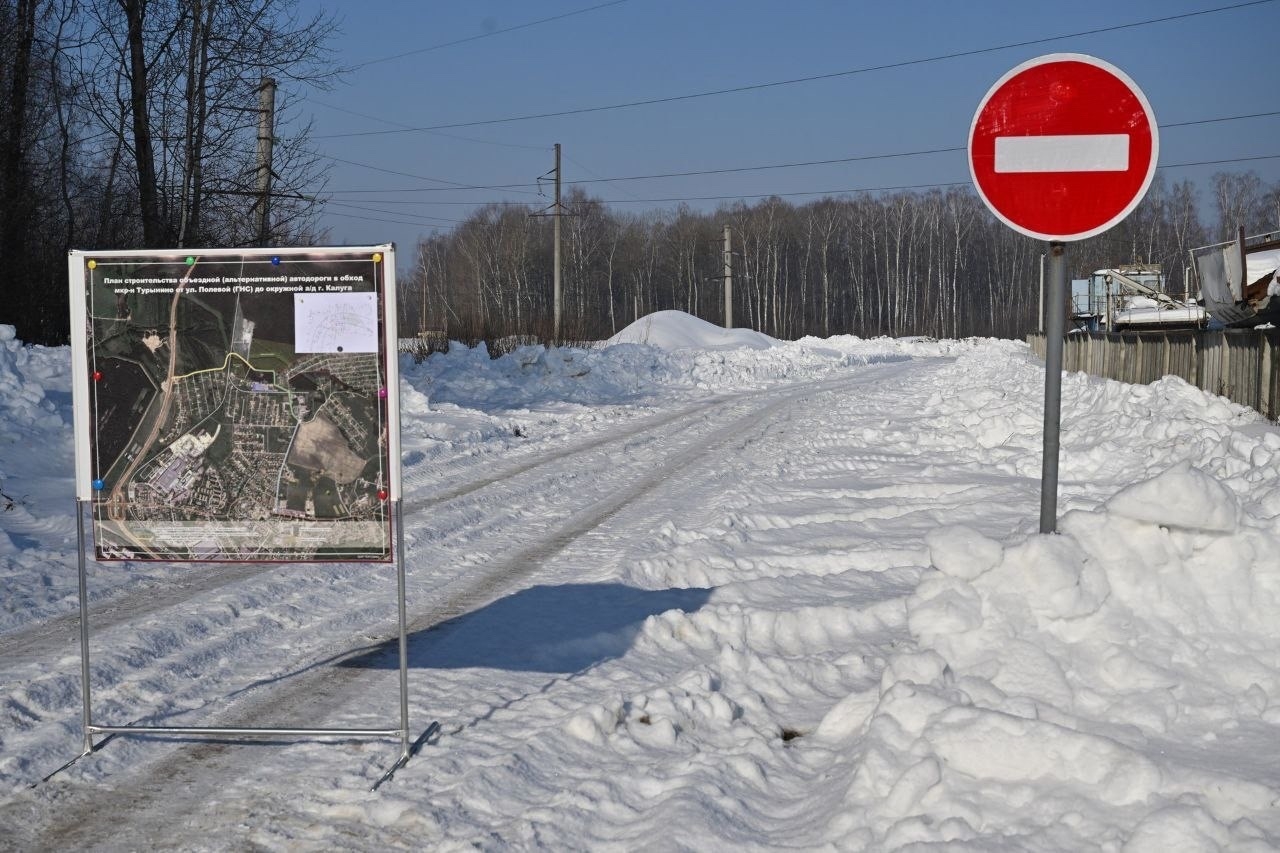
[[1242, 365]]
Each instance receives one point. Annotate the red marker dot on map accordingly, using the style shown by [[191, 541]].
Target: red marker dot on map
[[382, 494], [382, 393], [97, 376]]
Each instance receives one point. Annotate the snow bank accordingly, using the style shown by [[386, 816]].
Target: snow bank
[[1096, 687], [476, 401], [678, 330], [838, 629], [35, 467], [1058, 666], [27, 375]]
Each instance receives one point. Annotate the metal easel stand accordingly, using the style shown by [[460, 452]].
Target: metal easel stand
[[407, 750]]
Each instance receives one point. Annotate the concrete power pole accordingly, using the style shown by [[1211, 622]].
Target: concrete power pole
[[556, 255], [266, 137], [728, 279], [556, 211], [422, 321]]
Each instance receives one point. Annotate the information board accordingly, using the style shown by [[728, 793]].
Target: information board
[[237, 405]]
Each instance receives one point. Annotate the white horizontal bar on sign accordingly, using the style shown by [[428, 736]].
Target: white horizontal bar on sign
[[1085, 152]]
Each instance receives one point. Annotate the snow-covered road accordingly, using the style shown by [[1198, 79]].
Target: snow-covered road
[[469, 544], [738, 596]]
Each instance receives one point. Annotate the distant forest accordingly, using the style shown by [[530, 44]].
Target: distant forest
[[933, 263], [134, 124]]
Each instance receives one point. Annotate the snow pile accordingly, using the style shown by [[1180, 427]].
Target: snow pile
[[1056, 691], [463, 399], [26, 375], [1072, 664], [678, 330], [35, 453]]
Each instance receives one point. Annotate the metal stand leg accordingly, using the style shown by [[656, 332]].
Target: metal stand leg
[[404, 638], [407, 748], [84, 628]]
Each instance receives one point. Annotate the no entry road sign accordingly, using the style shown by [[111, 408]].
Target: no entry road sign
[[1063, 147]]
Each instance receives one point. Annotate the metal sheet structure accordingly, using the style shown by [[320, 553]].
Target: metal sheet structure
[[237, 405]]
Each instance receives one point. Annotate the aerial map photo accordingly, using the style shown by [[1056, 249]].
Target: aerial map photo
[[238, 406]]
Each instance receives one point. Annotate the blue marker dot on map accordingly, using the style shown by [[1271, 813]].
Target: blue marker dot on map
[[98, 485], [275, 261]]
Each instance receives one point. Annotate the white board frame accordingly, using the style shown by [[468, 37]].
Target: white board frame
[[82, 384]]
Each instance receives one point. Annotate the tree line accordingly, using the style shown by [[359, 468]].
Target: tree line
[[134, 124], [933, 263], [128, 124]]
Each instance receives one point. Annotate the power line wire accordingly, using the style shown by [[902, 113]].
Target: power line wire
[[1224, 118], [1221, 162], [389, 221], [737, 169], [451, 185], [404, 126], [809, 79], [498, 32], [362, 208], [909, 186], [826, 192]]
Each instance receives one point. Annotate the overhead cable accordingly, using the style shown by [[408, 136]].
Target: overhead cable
[[490, 34], [808, 79]]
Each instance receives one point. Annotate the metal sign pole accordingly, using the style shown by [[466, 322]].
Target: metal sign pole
[[1055, 324]]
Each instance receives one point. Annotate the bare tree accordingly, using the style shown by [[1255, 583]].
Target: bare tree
[[932, 263], [184, 74], [1240, 202]]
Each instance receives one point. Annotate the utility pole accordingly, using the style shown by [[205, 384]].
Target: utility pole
[[728, 279], [556, 255], [556, 211], [422, 321], [266, 137]]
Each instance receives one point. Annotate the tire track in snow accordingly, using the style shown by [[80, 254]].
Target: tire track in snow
[[18, 519], [33, 642], [147, 803]]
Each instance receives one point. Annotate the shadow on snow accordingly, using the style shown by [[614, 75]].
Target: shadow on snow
[[554, 629]]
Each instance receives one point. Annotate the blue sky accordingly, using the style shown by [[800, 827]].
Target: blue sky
[[506, 66]]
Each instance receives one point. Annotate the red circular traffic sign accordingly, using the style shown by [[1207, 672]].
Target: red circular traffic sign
[[1063, 147]]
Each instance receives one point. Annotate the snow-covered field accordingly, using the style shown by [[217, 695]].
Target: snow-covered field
[[690, 591]]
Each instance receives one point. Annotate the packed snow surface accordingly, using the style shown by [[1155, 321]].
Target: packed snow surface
[[694, 590]]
